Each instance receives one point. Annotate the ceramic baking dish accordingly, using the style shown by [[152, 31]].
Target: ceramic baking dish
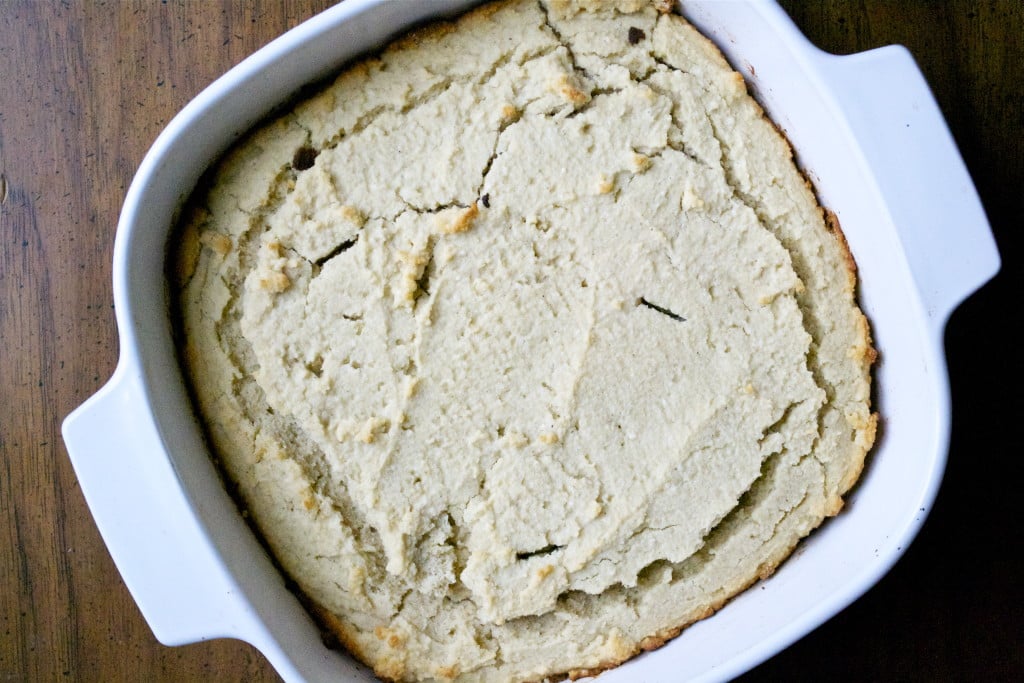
[[867, 132]]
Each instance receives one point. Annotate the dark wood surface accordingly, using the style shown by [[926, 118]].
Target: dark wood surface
[[85, 87]]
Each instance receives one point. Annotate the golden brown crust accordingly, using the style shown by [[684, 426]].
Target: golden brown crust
[[334, 627], [832, 223], [439, 29], [337, 637], [415, 38], [863, 350], [662, 638], [187, 255]]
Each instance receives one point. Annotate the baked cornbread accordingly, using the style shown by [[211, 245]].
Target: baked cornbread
[[524, 343]]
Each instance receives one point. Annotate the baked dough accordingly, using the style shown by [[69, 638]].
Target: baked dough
[[524, 343]]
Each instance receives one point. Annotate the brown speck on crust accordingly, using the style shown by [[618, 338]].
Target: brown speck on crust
[[353, 215], [640, 162], [635, 35], [216, 241], [275, 282], [567, 87], [389, 636], [449, 672], [462, 222], [304, 158], [509, 114]]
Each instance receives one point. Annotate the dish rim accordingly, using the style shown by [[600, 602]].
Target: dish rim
[[133, 337]]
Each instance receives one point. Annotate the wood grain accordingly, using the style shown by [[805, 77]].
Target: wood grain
[[84, 90]]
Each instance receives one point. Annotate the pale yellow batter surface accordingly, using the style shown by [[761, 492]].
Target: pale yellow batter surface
[[525, 343]]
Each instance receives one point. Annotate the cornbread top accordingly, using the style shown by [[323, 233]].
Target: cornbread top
[[524, 343]]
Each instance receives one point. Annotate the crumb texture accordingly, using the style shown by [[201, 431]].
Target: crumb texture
[[524, 342]]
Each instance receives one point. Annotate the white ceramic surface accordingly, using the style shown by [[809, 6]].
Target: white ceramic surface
[[868, 133]]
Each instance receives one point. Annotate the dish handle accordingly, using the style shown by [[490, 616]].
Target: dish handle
[[162, 552], [922, 177]]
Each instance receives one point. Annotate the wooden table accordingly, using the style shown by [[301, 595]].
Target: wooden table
[[85, 88]]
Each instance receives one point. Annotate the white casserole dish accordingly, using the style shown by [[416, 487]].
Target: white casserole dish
[[868, 133]]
